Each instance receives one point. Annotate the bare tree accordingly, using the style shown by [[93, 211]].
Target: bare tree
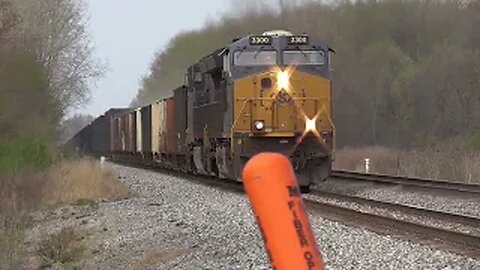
[[55, 31], [8, 18], [243, 7]]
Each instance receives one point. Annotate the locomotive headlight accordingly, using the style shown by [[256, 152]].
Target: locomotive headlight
[[311, 125], [259, 125], [283, 79]]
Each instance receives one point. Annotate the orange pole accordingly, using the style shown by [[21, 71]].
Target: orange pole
[[272, 188]]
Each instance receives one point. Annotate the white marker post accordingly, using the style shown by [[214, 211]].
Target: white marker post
[[102, 162], [367, 165]]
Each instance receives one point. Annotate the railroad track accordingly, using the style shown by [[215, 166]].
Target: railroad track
[[401, 208], [410, 182], [450, 240], [453, 241]]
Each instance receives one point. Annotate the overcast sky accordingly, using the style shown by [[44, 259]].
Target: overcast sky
[[127, 33]]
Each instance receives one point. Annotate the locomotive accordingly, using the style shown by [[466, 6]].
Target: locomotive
[[261, 93]]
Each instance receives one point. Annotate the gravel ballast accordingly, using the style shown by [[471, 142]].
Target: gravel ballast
[[175, 223], [413, 218], [395, 194]]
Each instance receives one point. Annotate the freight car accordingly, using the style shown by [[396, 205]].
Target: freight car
[[269, 92]]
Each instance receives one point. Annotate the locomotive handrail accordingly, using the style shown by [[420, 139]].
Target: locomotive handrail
[[294, 98], [232, 130], [334, 129]]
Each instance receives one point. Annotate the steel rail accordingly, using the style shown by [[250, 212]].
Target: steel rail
[[421, 183], [453, 241], [405, 209]]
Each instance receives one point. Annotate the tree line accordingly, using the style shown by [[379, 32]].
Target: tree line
[[47, 68], [406, 73]]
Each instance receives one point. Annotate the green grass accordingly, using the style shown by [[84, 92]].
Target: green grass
[[86, 202], [24, 154]]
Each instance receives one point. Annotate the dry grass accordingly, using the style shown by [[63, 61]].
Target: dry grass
[[79, 182], [83, 180], [471, 165], [157, 257], [18, 194], [62, 247], [11, 248], [446, 163], [382, 159]]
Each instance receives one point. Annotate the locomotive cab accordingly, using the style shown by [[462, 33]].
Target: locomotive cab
[[280, 97]]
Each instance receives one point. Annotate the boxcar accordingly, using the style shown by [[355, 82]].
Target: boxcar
[[130, 132], [116, 133], [101, 136], [162, 119], [180, 112], [146, 114], [171, 136], [81, 142], [124, 131], [155, 132], [138, 131]]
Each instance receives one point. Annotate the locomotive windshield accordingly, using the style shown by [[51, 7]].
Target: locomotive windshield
[[258, 58], [314, 58]]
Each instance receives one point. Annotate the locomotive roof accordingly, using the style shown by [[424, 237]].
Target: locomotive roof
[[279, 39]]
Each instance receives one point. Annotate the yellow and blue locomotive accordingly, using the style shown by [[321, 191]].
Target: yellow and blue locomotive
[[269, 92]]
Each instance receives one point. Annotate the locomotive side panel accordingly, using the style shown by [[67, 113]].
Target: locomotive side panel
[[208, 120]]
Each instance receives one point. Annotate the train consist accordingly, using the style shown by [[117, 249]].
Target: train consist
[[268, 92]]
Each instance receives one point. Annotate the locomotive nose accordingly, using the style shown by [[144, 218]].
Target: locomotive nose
[[283, 80]]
